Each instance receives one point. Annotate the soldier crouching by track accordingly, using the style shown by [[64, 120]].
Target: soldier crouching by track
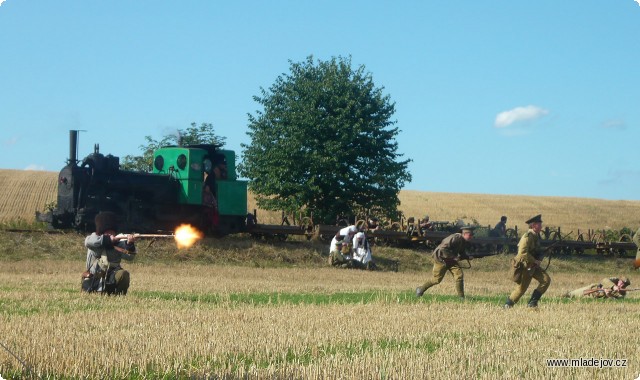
[[105, 251], [526, 265], [445, 258], [340, 255]]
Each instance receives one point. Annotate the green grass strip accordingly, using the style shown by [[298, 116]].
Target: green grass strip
[[343, 298]]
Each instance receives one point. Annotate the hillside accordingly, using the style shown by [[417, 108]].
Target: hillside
[[29, 191], [25, 192]]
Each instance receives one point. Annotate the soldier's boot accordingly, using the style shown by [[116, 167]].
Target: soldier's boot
[[419, 291], [508, 304], [123, 279], [460, 290], [535, 297]]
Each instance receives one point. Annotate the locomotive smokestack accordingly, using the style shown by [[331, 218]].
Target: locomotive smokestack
[[73, 147]]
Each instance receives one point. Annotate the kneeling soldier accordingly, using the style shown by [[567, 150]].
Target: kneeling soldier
[[105, 251], [340, 255]]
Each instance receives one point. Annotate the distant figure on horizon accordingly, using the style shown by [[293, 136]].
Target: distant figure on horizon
[[636, 239], [500, 230], [425, 224]]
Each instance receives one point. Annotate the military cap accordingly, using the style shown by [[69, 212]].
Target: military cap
[[625, 280], [105, 221], [535, 219], [467, 229]]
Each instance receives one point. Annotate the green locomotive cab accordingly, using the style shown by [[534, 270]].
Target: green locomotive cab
[[184, 165], [228, 187], [204, 171]]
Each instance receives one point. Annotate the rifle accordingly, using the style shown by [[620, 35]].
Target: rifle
[[587, 292], [148, 236], [481, 255], [477, 256], [153, 237], [557, 242]]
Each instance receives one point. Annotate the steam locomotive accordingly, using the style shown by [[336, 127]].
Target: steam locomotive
[[194, 184]]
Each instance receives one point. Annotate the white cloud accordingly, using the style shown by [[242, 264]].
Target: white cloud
[[1, 1], [518, 114], [614, 124], [34, 167]]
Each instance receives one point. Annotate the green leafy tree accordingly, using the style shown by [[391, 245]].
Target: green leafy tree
[[325, 143], [202, 134]]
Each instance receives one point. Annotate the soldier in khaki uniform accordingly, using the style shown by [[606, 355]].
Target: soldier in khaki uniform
[[527, 265], [445, 258], [613, 287]]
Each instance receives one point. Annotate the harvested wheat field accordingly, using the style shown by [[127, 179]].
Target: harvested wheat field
[[25, 192], [197, 314]]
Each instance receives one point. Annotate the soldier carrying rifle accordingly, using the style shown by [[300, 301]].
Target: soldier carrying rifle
[[526, 266], [446, 258]]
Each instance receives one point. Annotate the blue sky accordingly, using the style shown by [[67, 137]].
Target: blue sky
[[500, 97]]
